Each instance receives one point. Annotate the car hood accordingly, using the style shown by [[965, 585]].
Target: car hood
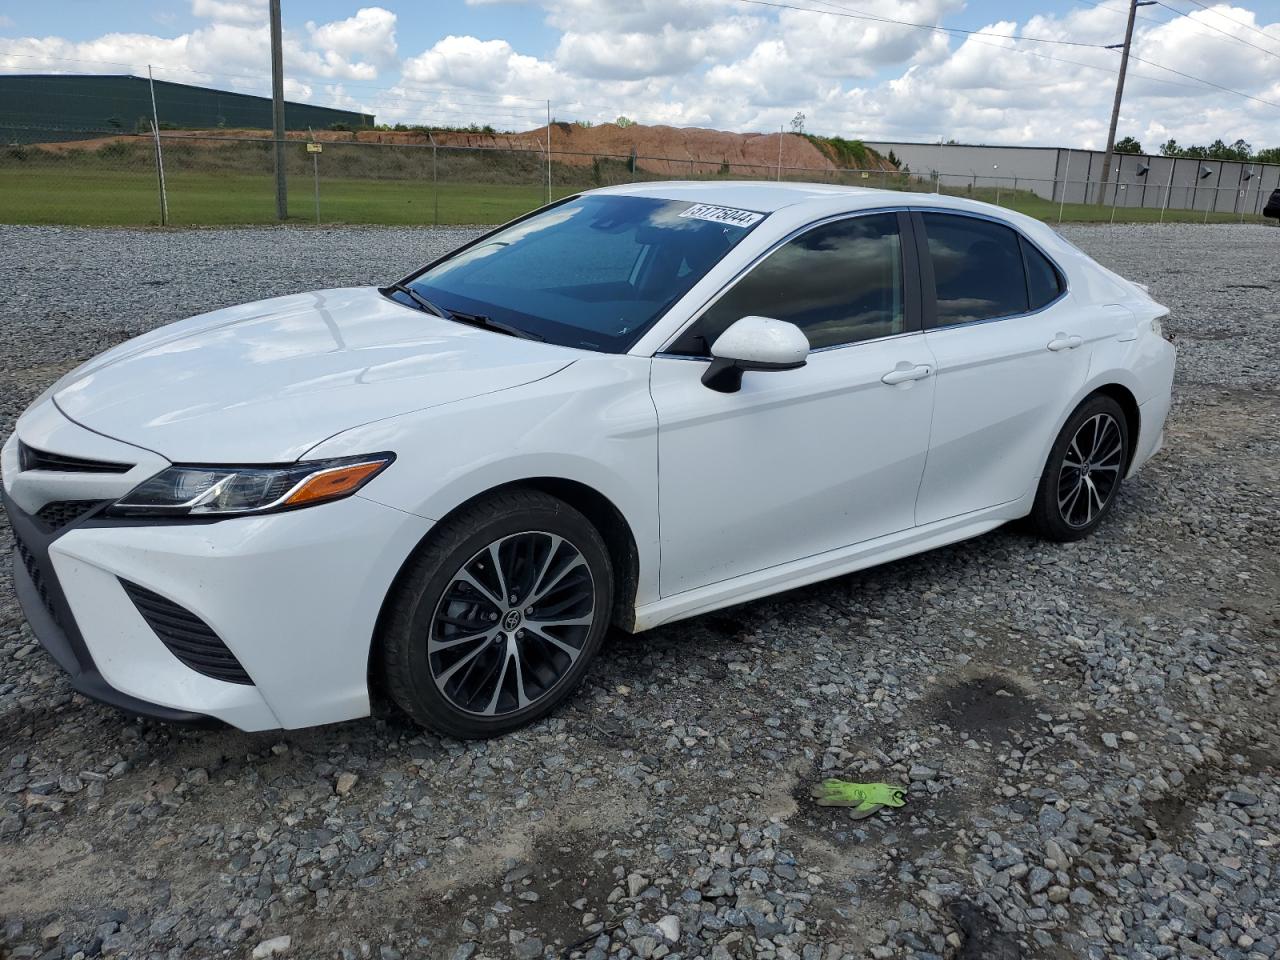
[[264, 382]]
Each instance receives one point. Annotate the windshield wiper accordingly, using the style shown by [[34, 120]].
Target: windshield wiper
[[471, 319], [488, 323], [419, 299]]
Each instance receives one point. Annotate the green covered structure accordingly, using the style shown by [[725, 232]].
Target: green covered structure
[[36, 108]]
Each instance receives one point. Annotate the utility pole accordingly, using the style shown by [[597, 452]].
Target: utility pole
[[1115, 107], [155, 132], [277, 110]]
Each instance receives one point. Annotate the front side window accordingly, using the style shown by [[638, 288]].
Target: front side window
[[593, 272], [840, 282], [977, 269]]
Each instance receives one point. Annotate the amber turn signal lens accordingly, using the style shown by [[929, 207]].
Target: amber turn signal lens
[[328, 484]]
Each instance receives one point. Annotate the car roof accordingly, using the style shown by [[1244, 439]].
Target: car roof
[[762, 196], [769, 196]]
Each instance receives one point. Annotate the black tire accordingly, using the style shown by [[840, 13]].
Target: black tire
[[451, 585], [1070, 473]]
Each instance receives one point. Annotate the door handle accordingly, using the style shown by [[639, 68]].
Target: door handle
[[907, 371], [1063, 341]]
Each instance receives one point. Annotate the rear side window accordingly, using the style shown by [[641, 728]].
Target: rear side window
[[978, 271], [840, 283], [1044, 285]]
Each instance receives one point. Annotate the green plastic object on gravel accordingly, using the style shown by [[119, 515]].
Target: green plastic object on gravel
[[864, 798]]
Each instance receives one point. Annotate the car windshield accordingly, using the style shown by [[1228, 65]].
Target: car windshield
[[593, 272]]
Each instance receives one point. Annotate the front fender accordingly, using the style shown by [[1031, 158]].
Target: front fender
[[594, 423]]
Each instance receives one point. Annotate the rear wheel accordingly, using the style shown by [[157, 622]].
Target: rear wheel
[[497, 618], [1084, 471]]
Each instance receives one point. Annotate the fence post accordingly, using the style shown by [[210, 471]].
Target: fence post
[[1066, 182], [1168, 189], [315, 169], [435, 183], [548, 151]]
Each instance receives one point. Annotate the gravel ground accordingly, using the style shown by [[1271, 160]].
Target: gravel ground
[[1089, 731]]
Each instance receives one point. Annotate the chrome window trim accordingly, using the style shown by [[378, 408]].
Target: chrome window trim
[[939, 327], [662, 355], [664, 350]]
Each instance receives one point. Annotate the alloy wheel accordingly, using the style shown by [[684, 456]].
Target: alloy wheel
[[1090, 471], [511, 623]]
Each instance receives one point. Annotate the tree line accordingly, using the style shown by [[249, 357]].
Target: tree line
[[1218, 150]]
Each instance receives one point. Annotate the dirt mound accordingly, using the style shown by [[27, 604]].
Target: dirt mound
[[656, 149]]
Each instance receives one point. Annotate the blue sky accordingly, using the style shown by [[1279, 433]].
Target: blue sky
[[728, 64], [420, 24], [85, 19]]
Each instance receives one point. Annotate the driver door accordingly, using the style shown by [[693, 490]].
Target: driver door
[[798, 462]]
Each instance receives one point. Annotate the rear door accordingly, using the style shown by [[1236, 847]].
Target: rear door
[[1012, 351]]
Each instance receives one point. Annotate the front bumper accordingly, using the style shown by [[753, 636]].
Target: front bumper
[[294, 596], [45, 606]]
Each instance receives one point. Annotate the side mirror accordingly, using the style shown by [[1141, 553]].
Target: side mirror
[[754, 343]]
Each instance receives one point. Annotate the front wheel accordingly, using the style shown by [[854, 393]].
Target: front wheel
[[496, 619], [1084, 471]]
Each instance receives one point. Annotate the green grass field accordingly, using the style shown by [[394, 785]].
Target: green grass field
[[120, 198], [67, 194]]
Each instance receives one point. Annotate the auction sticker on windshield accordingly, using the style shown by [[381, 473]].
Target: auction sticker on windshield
[[729, 215]]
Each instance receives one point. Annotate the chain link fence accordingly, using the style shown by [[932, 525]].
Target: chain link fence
[[182, 179]]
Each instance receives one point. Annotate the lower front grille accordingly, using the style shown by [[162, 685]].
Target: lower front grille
[[37, 577], [188, 637], [56, 515]]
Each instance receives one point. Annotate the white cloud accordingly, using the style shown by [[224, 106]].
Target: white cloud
[[666, 51], [369, 35], [725, 64], [485, 65], [232, 50]]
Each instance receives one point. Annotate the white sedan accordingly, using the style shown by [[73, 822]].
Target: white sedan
[[632, 406]]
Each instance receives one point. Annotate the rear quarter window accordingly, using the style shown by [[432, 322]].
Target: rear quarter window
[[1044, 282]]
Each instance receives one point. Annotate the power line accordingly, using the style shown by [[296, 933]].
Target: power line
[[976, 36], [1238, 93], [491, 101], [1180, 13], [959, 31], [1230, 36], [1238, 23], [1122, 13]]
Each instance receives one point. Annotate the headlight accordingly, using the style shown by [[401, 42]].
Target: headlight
[[181, 491]]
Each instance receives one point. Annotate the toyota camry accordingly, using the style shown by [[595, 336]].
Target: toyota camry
[[632, 406]]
